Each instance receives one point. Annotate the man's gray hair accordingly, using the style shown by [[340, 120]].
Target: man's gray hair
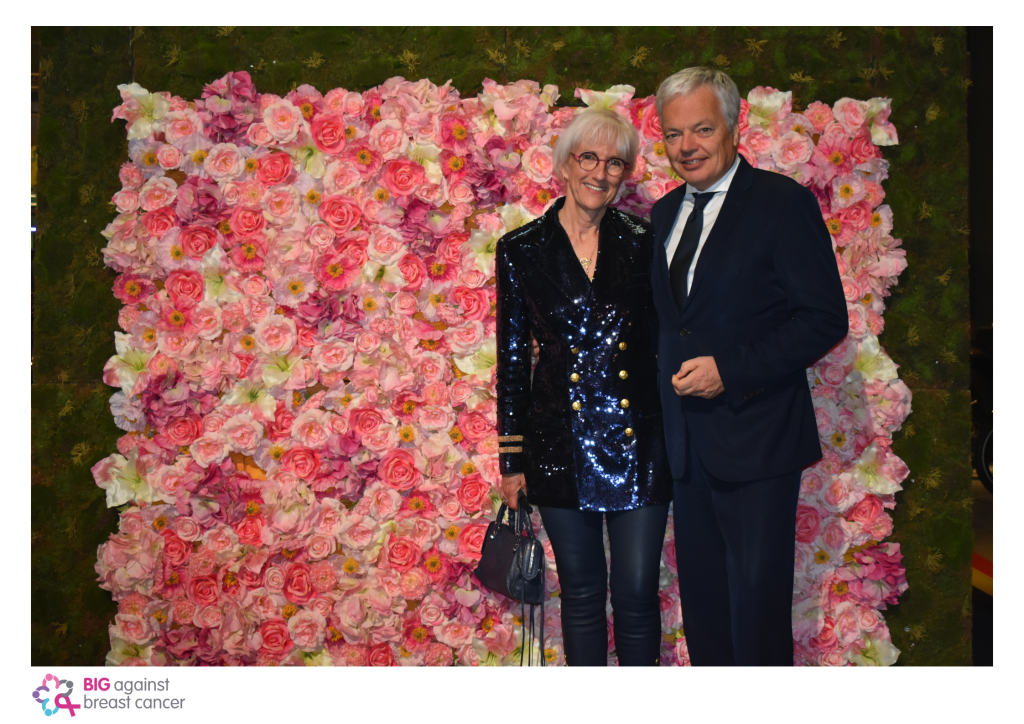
[[688, 80], [597, 126]]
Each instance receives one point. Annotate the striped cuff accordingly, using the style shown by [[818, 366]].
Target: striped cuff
[[510, 438], [506, 450]]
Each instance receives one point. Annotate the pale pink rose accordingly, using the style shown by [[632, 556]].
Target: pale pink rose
[[389, 138], [367, 342], [466, 339], [133, 629], [168, 157], [333, 355], [435, 419], [460, 392], [265, 605], [126, 201], [433, 367], [243, 433], [341, 177], [851, 114], [792, 149], [276, 334], [759, 142], [179, 125], [454, 633], [319, 546], [450, 508], [206, 316], [158, 192], [131, 177], [208, 451], [461, 193], [833, 374], [283, 121], [259, 135], [279, 204], [414, 584], [213, 422], [254, 285], [273, 579], [475, 426], [868, 619], [386, 246], [187, 528], [405, 304], [307, 629], [537, 164], [208, 617], [352, 104], [311, 429], [167, 481], [361, 534], [224, 162], [836, 536], [319, 235]]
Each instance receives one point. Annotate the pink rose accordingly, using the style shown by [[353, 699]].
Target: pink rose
[[250, 530], [203, 591], [195, 241], [208, 451], [307, 629], [275, 168], [187, 528], [159, 222], [298, 586], [474, 426], [283, 120], [471, 540], [182, 431], [131, 177], [276, 637], [473, 303], [328, 133], [414, 584], [537, 164], [793, 148], [808, 523], [168, 157], [397, 469], [866, 510], [380, 655], [340, 212], [401, 176], [158, 192], [126, 201], [280, 203], [224, 162], [185, 288], [473, 492], [402, 553], [179, 125], [246, 221], [276, 334], [302, 461], [320, 235]]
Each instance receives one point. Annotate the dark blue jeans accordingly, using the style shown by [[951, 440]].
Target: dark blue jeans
[[636, 538]]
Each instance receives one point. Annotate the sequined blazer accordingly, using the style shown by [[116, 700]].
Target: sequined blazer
[[587, 430]]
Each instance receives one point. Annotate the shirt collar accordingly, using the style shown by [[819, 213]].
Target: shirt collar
[[721, 184]]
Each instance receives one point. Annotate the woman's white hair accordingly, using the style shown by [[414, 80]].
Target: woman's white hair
[[596, 127], [688, 80]]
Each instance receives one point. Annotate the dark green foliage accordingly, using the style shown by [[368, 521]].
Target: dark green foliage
[[74, 314]]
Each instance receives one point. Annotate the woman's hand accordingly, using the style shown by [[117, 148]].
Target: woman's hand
[[534, 348], [510, 486]]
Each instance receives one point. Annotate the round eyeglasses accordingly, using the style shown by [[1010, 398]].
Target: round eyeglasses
[[588, 162]]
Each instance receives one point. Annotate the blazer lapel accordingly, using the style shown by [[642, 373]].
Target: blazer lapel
[[735, 200], [614, 264], [661, 281]]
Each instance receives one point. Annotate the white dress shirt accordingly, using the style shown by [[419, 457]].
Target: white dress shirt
[[719, 188]]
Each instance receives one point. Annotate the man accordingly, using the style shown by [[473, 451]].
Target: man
[[748, 295]]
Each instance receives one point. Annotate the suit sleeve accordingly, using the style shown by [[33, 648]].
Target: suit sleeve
[[513, 384], [805, 265]]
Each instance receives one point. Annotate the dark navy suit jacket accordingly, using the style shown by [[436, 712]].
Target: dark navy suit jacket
[[766, 301]]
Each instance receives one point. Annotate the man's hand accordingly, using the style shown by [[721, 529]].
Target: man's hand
[[698, 377]]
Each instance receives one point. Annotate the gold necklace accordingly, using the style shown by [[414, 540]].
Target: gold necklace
[[586, 261]]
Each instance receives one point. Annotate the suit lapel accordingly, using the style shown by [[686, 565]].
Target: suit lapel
[[661, 280], [735, 199]]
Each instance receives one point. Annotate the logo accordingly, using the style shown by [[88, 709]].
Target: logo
[[54, 695]]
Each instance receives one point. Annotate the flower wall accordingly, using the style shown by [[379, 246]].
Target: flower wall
[[306, 371]]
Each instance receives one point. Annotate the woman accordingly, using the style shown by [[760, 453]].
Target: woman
[[584, 438]]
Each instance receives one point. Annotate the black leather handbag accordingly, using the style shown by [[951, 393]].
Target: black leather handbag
[[512, 564]]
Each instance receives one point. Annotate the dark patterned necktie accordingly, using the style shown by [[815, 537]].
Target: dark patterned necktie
[[688, 243]]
